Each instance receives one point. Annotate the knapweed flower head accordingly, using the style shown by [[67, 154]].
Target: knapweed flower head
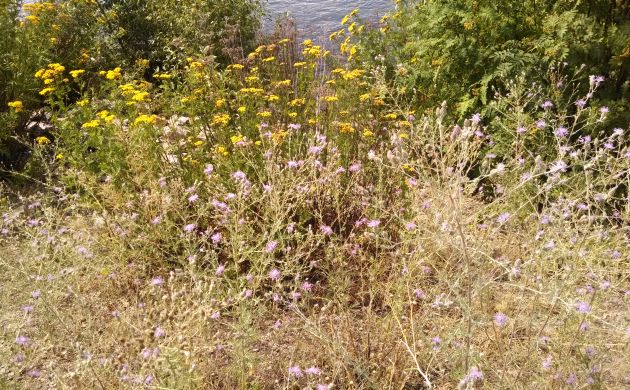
[[274, 274], [296, 372], [582, 307], [271, 246], [474, 375], [159, 332], [190, 227], [500, 319], [157, 281], [327, 230], [220, 270]]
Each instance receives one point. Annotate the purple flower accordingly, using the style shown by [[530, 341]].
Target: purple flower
[[476, 118], [604, 110], [193, 198], [271, 246], [410, 226], [540, 124], [248, 293], [521, 129], [580, 103], [321, 386], [313, 371], [571, 379], [293, 164], [582, 307], [296, 371], [21, 340], [156, 220], [418, 293], [159, 332], [157, 281], [208, 169], [315, 150], [294, 126], [27, 309], [561, 132], [327, 230], [356, 167], [216, 238], [190, 227], [501, 219], [215, 316], [547, 104], [274, 274], [220, 270], [36, 294], [546, 364], [239, 176], [307, 286], [500, 319], [373, 223]]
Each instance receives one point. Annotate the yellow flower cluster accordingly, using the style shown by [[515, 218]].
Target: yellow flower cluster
[[113, 74], [91, 124], [221, 119], [17, 105], [162, 76], [76, 73], [42, 140], [346, 128], [51, 72], [253, 91], [148, 119], [106, 116], [297, 102], [35, 8]]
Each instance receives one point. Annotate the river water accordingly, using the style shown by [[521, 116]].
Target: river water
[[319, 17]]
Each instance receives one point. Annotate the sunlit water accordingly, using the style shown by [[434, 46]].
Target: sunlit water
[[319, 17]]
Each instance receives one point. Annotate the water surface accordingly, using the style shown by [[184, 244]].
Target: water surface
[[319, 17]]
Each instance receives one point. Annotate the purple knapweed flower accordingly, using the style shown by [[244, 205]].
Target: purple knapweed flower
[[572, 379], [307, 286], [327, 230], [314, 371], [208, 169], [21, 340], [156, 220], [157, 281], [159, 332], [216, 238], [561, 132], [580, 103], [193, 198], [546, 363], [190, 227], [547, 104], [500, 319], [274, 274], [503, 218], [540, 124], [476, 118], [27, 309], [373, 223], [271, 246], [296, 371], [220, 270], [215, 316], [418, 293], [356, 167], [582, 307], [248, 293], [36, 294], [521, 129]]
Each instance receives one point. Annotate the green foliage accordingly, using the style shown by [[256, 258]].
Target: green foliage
[[461, 50]]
